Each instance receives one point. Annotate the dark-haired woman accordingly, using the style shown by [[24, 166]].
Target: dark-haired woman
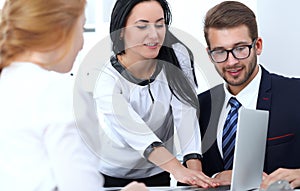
[[144, 100]]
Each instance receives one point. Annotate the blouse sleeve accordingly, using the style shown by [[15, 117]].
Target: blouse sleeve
[[187, 127], [185, 62], [74, 165]]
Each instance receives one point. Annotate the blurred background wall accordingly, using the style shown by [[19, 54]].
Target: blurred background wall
[[278, 26]]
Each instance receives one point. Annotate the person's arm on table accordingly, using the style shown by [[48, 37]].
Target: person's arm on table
[[164, 159]]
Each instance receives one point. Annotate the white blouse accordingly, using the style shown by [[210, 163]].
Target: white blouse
[[185, 62], [131, 120], [40, 148]]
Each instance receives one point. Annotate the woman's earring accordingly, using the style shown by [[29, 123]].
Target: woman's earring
[[121, 35]]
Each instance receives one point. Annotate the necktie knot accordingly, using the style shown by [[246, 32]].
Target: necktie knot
[[234, 103]]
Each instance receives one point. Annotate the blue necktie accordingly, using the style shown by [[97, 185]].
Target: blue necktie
[[229, 132]]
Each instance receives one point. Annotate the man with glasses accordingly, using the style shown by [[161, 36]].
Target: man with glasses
[[230, 30]]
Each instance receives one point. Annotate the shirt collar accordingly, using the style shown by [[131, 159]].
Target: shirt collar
[[249, 91]]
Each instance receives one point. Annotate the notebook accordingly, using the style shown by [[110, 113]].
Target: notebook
[[249, 154]]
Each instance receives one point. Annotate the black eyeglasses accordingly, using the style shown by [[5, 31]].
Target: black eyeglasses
[[239, 52]]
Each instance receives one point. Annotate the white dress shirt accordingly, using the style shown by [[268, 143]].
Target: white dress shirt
[[247, 97], [40, 148]]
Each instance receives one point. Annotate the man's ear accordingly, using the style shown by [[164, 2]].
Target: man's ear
[[259, 45], [207, 50]]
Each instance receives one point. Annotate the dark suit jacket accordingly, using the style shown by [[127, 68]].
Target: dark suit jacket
[[281, 97]]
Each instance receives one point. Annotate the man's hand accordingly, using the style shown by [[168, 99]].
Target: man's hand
[[290, 175], [224, 177]]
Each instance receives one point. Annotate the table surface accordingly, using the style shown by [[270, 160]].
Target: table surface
[[180, 188]]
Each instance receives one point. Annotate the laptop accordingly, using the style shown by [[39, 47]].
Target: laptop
[[249, 154]]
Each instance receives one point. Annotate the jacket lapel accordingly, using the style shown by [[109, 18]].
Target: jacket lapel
[[264, 95]]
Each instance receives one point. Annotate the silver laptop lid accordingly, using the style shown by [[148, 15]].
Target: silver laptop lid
[[249, 151]]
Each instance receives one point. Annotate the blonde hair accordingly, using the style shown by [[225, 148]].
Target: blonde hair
[[36, 25]]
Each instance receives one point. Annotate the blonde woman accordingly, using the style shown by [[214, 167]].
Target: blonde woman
[[40, 148]]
